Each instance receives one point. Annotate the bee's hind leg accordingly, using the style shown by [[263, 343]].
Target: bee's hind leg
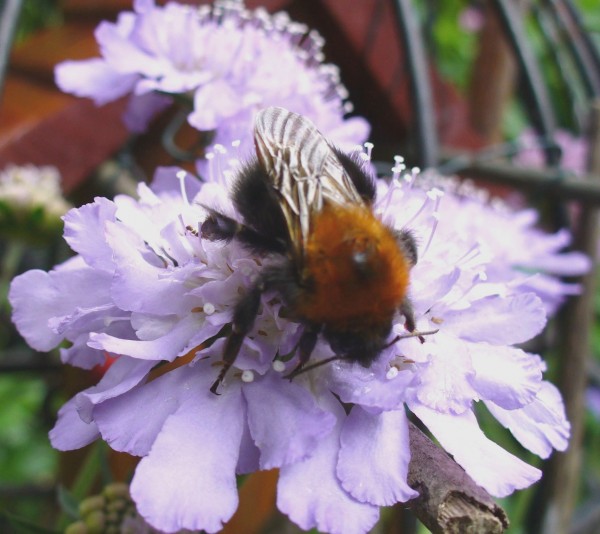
[[243, 319], [306, 345]]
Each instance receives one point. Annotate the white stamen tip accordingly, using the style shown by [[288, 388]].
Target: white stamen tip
[[235, 143], [208, 308], [247, 376], [392, 373], [278, 366], [180, 175]]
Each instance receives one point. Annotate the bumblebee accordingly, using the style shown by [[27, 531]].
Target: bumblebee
[[339, 270]]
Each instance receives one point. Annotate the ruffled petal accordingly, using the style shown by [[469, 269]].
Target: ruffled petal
[[166, 347], [123, 375], [369, 387], [489, 465], [374, 456], [38, 298], [84, 231], [93, 78], [70, 432], [142, 283], [541, 425], [310, 493], [187, 481], [444, 382], [498, 320], [284, 420], [507, 376], [130, 422]]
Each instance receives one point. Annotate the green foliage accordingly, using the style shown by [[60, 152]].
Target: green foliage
[[37, 14], [25, 453]]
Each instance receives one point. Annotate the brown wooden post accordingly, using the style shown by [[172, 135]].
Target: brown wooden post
[[575, 324]]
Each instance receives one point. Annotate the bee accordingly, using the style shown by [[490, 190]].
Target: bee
[[338, 269]]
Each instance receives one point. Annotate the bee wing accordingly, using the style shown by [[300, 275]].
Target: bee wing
[[303, 168]]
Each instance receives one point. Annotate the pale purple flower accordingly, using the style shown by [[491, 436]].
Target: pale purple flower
[[226, 61], [574, 151], [472, 18], [145, 287], [525, 257]]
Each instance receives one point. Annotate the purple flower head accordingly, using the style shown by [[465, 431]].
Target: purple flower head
[[524, 257], [574, 151], [227, 61], [144, 286]]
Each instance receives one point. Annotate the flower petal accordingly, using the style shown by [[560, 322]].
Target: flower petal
[[285, 422], [93, 78], [507, 376], [374, 455], [166, 347], [38, 297], [369, 387], [311, 495], [187, 481], [541, 425], [131, 421], [498, 320], [70, 432], [84, 231], [142, 286], [141, 109], [122, 376], [488, 464]]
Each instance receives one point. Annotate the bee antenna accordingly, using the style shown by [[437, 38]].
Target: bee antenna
[[415, 333], [301, 370]]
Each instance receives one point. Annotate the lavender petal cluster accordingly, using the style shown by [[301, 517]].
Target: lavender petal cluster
[[225, 61], [147, 289]]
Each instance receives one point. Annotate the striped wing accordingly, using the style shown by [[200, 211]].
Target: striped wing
[[304, 170]]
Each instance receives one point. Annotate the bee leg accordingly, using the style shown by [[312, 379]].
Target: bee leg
[[407, 310], [306, 345], [243, 319], [219, 227], [408, 245]]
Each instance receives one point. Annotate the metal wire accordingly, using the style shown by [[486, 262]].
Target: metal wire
[[9, 17]]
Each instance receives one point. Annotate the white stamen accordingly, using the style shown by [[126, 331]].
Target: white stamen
[[369, 148], [397, 169], [208, 308], [278, 366], [392, 373], [181, 177], [247, 376]]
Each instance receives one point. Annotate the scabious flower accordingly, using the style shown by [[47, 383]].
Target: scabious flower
[[574, 151], [31, 202], [524, 256], [145, 287], [226, 61]]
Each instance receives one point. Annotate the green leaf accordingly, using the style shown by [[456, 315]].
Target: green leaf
[[68, 503], [19, 525]]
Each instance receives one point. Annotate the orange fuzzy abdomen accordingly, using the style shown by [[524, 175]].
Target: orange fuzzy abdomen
[[357, 273]]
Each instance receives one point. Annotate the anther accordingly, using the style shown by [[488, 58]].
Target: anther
[[247, 376]]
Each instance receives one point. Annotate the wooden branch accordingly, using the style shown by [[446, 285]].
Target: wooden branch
[[449, 501]]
